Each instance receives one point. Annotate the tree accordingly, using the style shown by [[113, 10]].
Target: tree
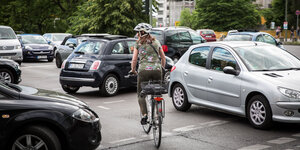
[[103, 16], [224, 15], [186, 18]]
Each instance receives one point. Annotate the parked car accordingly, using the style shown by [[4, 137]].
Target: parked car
[[35, 47], [40, 119], [69, 44], [252, 35], [10, 71], [208, 34], [251, 79], [175, 41], [101, 63], [55, 39], [10, 47]]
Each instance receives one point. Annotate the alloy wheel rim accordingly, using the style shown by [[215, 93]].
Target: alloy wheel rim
[[258, 112], [29, 142], [111, 85], [178, 97], [5, 76]]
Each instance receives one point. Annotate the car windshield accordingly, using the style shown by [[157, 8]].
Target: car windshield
[[158, 35], [267, 58], [33, 39], [238, 37], [90, 47], [7, 33], [59, 37]]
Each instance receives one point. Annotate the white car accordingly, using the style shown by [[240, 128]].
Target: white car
[[10, 47]]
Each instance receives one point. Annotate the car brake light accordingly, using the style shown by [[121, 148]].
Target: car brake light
[[173, 68], [165, 48], [63, 64], [95, 65]]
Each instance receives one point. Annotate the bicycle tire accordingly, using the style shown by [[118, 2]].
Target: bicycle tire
[[157, 128], [147, 127]]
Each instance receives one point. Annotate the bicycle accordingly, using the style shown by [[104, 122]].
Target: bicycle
[[153, 91]]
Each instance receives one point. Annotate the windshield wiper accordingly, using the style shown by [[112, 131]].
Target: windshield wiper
[[79, 52], [286, 69], [262, 70]]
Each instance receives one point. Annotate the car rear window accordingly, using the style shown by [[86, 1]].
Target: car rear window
[[90, 47], [158, 35], [238, 37], [207, 32]]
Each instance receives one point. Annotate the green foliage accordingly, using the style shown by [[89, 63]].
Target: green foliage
[[224, 15], [186, 18]]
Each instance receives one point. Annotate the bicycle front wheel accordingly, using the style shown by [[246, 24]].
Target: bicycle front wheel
[[157, 128]]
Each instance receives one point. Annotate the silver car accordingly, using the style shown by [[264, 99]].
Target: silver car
[[251, 79]]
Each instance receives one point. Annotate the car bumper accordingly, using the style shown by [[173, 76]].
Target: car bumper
[[85, 135], [78, 78], [15, 54], [286, 111], [37, 55]]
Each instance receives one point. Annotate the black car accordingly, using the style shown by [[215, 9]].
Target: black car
[[40, 119], [10, 71], [101, 63], [175, 41]]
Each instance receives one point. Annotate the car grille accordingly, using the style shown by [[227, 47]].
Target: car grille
[[7, 47], [40, 52], [7, 54]]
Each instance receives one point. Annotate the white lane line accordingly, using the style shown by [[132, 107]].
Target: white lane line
[[111, 102], [255, 147], [199, 126], [296, 135], [282, 140], [298, 146], [37, 66], [123, 140], [185, 129], [106, 108]]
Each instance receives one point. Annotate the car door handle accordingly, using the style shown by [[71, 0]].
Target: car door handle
[[186, 73], [210, 79]]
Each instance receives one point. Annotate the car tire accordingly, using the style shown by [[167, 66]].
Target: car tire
[[7, 75], [50, 59], [259, 112], [110, 85], [70, 89], [179, 98], [58, 61], [167, 76], [40, 136]]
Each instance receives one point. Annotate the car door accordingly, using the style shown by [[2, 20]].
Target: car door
[[130, 46], [185, 41], [172, 41], [223, 88], [196, 74]]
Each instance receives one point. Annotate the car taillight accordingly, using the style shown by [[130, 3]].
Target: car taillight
[[165, 48], [95, 65], [63, 64], [173, 68]]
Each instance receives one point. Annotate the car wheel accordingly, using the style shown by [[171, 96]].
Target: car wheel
[[110, 85], [175, 59], [36, 137], [70, 89], [167, 76], [259, 112], [50, 59], [6, 75], [58, 61], [179, 98]]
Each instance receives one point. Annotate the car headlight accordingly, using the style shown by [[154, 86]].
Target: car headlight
[[18, 46], [84, 115], [50, 48], [28, 47], [290, 93]]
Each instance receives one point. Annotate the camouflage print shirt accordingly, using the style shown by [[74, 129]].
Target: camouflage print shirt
[[148, 58]]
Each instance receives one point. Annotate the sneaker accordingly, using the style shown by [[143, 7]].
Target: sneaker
[[144, 120]]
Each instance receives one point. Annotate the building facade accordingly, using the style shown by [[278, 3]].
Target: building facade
[[263, 3]]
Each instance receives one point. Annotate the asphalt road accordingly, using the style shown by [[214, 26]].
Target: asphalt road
[[198, 128]]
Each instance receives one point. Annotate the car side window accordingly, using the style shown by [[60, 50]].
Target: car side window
[[199, 55], [172, 37], [118, 48], [197, 39], [184, 36], [222, 58], [69, 41], [130, 45], [269, 39], [260, 38]]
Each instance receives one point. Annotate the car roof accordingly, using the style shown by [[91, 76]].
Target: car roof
[[30, 34], [109, 37], [59, 33], [204, 30], [171, 28], [1, 26], [233, 43]]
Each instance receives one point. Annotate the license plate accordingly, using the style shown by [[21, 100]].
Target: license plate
[[76, 66], [208, 36], [5, 57], [41, 57]]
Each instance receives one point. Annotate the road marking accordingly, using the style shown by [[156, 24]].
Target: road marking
[[255, 147], [106, 108], [298, 146], [37, 66], [296, 135], [199, 126], [185, 129], [123, 140], [282, 140], [111, 102]]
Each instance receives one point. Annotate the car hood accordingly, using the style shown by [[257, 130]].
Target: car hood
[[57, 43], [9, 42], [46, 95], [38, 46], [288, 79]]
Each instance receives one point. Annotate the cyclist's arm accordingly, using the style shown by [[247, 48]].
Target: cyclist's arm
[[163, 57], [134, 60]]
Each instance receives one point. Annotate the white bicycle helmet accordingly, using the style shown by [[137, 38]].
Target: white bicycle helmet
[[143, 27]]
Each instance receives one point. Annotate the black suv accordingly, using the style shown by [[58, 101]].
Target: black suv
[[100, 63], [10, 71], [175, 41]]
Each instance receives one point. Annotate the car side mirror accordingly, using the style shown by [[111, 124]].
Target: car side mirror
[[230, 70], [71, 45], [49, 42], [279, 43]]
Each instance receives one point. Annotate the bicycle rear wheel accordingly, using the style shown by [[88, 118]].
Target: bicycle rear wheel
[[147, 127], [157, 128]]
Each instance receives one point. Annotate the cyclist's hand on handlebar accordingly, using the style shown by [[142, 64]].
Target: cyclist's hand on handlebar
[[132, 72]]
